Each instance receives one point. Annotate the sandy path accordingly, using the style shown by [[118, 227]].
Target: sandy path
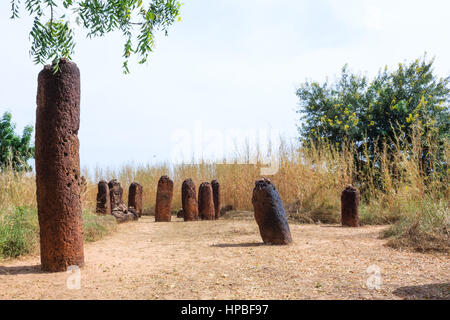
[[224, 260]]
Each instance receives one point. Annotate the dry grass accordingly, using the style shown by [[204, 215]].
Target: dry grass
[[17, 189], [425, 228], [302, 184]]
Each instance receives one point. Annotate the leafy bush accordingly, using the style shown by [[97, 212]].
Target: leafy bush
[[380, 113]]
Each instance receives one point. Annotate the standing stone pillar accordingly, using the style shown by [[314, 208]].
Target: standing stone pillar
[[216, 198], [118, 208], [116, 194], [58, 178], [269, 214], [164, 196], [135, 197], [349, 207], [205, 202], [103, 198], [189, 200]]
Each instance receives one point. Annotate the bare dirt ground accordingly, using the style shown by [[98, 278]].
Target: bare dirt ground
[[225, 260]]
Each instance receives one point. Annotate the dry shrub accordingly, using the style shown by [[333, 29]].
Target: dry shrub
[[424, 228]]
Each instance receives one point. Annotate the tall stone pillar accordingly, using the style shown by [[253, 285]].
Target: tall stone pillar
[[349, 207], [58, 178], [189, 200], [164, 195], [135, 193], [205, 202], [116, 194], [103, 198], [216, 198]]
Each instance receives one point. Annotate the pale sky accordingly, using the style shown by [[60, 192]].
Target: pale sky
[[229, 64]]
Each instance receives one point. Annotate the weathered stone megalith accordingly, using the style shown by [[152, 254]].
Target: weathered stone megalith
[[58, 178], [206, 202], [118, 208], [103, 198], [269, 214], [116, 193], [189, 200], [135, 193], [349, 207], [164, 195], [216, 198]]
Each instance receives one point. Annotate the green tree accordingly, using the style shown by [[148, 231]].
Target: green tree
[[15, 150], [52, 34], [373, 114]]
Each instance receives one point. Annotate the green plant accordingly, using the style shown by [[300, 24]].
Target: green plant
[[18, 231], [382, 113], [52, 33]]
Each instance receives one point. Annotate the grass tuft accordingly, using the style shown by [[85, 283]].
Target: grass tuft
[[96, 226]]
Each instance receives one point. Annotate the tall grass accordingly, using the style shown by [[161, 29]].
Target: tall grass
[[306, 179], [17, 189]]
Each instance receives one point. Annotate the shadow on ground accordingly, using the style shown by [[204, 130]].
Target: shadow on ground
[[238, 245], [11, 271], [238, 215], [437, 291]]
